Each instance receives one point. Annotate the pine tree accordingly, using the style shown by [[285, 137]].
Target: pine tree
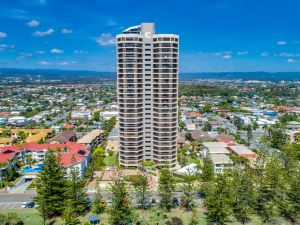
[[75, 194], [219, 199], [244, 193], [207, 169], [51, 187], [142, 188], [272, 190], [120, 212], [99, 203], [188, 189], [70, 215], [166, 187], [292, 209]]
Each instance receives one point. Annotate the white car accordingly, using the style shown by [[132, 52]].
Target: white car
[[24, 204]]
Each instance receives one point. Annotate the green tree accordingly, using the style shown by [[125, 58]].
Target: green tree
[[218, 199], [70, 215], [120, 212], [249, 130], [188, 189], [142, 188], [271, 190], [166, 187], [10, 219], [208, 172], [292, 208], [99, 203], [77, 198], [244, 193], [51, 187], [98, 157]]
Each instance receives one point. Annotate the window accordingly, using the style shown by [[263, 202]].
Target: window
[[147, 69], [147, 79], [147, 49], [147, 44], [147, 60], [147, 54]]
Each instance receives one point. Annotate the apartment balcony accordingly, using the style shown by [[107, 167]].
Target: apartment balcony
[[130, 71], [130, 60], [165, 105], [129, 76], [130, 55], [164, 96], [130, 81], [165, 56], [165, 70], [131, 120], [130, 101], [130, 110], [130, 130], [164, 125], [131, 144], [165, 110], [160, 130], [130, 96], [131, 135], [165, 115], [130, 86], [131, 115], [128, 91], [124, 44], [164, 120], [160, 153], [174, 134], [164, 85], [164, 144], [166, 76], [130, 139], [165, 101], [130, 149]]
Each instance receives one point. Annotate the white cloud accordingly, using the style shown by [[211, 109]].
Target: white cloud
[[286, 54], [243, 53], [40, 52], [66, 31], [81, 52], [290, 60], [56, 51], [43, 33], [281, 43], [264, 54], [33, 23], [226, 57], [44, 63], [64, 63], [6, 46], [3, 35], [106, 40]]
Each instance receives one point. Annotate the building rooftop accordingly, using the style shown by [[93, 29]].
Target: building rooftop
[[89, 137], [214, 144], [221, 159]]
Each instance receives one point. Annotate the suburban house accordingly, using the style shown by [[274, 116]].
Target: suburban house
[[242, 151], [63, 137], [221, 162]]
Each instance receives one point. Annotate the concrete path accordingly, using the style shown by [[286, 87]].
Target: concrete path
[[21, 188]]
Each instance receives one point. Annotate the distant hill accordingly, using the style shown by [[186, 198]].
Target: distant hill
[[53, 74], [290, 76]]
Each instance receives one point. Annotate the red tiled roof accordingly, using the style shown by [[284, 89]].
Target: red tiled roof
[[66, 159], [223, 138], [68, 126], [7, 153], [195, 114]]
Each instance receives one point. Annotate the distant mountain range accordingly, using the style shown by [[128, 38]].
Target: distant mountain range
[[54, 74]]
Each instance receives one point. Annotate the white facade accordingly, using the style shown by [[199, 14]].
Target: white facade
[[147, 95]]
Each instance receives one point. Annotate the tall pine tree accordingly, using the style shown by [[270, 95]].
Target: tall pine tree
[[76, 195], [166, 187], [51, 187], [120, 212]]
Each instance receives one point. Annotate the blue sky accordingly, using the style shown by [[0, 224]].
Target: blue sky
[[215, 35]]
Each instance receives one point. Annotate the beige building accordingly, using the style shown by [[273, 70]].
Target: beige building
[[147, 67]]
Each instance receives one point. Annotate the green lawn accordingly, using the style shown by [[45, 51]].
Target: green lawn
[[111, 160], [155, 216]]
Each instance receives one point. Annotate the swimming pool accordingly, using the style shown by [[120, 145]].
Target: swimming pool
[[33, 169]]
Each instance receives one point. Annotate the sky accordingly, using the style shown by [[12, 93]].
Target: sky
[[215, 35]]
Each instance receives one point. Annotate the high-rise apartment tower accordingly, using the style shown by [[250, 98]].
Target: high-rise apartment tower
[[147, 65]]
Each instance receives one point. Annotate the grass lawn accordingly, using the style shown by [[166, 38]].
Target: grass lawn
[[111, 160], [153, 216]]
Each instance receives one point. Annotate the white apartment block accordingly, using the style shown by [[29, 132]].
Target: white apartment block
[[147, 67]]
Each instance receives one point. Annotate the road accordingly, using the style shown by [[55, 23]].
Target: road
[[14, 201]]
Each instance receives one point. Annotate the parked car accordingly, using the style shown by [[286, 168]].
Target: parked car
[[27, 205], [175, 201]]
